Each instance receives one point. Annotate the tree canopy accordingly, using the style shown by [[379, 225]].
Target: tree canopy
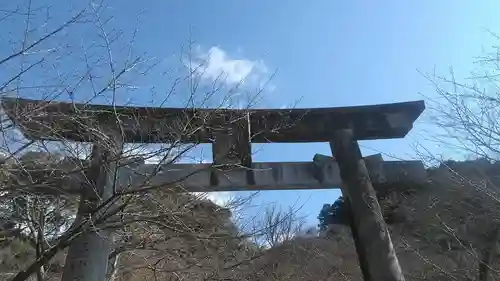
[[335, 213]]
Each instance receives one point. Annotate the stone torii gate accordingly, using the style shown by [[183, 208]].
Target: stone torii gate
[[231, 133]]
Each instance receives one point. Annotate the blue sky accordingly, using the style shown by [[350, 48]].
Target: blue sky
[[325, 54]]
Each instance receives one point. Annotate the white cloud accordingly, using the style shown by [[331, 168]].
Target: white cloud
[[221, 198], [152, 154], [216, 65]]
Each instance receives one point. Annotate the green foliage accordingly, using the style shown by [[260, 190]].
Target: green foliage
[[336, 213]]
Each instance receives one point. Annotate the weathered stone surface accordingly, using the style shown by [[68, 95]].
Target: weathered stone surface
[[56, 120], [64, 176]]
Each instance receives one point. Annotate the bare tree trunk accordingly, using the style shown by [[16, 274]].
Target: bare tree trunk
[[112, 266], [87, 257], [45, 258], [486, 255], [40, 274], [484, 264], [40, 244]]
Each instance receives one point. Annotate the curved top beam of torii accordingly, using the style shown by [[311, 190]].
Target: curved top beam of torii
[[51, 120]]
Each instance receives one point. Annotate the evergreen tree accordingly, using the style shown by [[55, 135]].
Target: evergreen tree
[[324, 216], [335, 213]]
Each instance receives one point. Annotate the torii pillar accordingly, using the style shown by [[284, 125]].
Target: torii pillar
[[377, 258]]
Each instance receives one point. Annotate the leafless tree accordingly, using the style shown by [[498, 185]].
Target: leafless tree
[[280, 226], [464, 121], [67, 197]]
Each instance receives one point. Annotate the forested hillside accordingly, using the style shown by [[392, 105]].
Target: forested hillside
[[445, 229]]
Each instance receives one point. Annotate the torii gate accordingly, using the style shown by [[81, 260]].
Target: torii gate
[[231, 133]]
